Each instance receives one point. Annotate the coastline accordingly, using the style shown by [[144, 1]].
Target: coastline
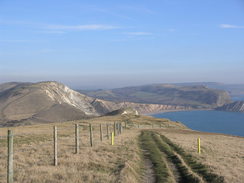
[[175, 110], [227, 123]]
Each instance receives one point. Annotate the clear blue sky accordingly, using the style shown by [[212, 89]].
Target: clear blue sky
[[102, 43]]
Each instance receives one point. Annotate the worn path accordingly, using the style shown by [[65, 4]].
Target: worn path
[[166, 162]]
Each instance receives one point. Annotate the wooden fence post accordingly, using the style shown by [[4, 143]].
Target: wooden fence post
[[114, 129], [101, 132], [55, 148], [10, 171], [91, 136], [121, 128], [77, 138], [107, 131]]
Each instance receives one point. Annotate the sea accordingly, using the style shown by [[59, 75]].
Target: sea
[[238, 98], [231, 123]]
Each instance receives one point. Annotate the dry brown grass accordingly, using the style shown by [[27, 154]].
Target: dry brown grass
[[102, 163], [222, 153], [33, 152]]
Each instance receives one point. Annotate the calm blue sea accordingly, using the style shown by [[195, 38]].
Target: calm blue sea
[[231, 123], [237, 98]]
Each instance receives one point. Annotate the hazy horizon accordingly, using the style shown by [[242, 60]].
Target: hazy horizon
[[81, 86]]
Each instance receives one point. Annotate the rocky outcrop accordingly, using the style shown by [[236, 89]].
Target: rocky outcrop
[[124, 111], [237, 106]]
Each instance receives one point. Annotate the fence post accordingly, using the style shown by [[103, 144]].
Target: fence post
[[198, 146], [107, 131], [10, 171], [101, 132], [112, 138], [55, 148], [77, 138], [91, 136], [125, 125], [114, 129], [121, 128], [118, 128]]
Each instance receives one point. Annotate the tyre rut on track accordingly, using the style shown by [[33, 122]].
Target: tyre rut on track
[[178, 165]]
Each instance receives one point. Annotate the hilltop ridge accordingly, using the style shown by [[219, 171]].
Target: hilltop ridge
[[33, 101], [194, 96]]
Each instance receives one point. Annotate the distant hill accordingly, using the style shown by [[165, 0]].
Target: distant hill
[[236, 91], [44, 102], [197, 96], [237, 106]]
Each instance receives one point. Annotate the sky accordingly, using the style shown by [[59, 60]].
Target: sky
[[106, 44]]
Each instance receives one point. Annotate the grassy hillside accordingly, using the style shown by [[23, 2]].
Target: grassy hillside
[[23, 103], [126, 160], [194, 96]]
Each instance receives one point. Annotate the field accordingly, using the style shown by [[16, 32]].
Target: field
[[148, 150]]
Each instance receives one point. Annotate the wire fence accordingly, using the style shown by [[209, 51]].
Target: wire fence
[[50, 143]]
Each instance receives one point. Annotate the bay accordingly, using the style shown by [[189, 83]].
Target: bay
[[231, 123]]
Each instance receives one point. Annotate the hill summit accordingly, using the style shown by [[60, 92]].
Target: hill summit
[[44, 102]]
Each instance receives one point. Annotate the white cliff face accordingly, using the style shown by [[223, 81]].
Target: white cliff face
[[237, 106], [141, 108], [60, 94]]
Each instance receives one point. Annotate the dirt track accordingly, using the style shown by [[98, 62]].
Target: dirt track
[[171, 163]]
